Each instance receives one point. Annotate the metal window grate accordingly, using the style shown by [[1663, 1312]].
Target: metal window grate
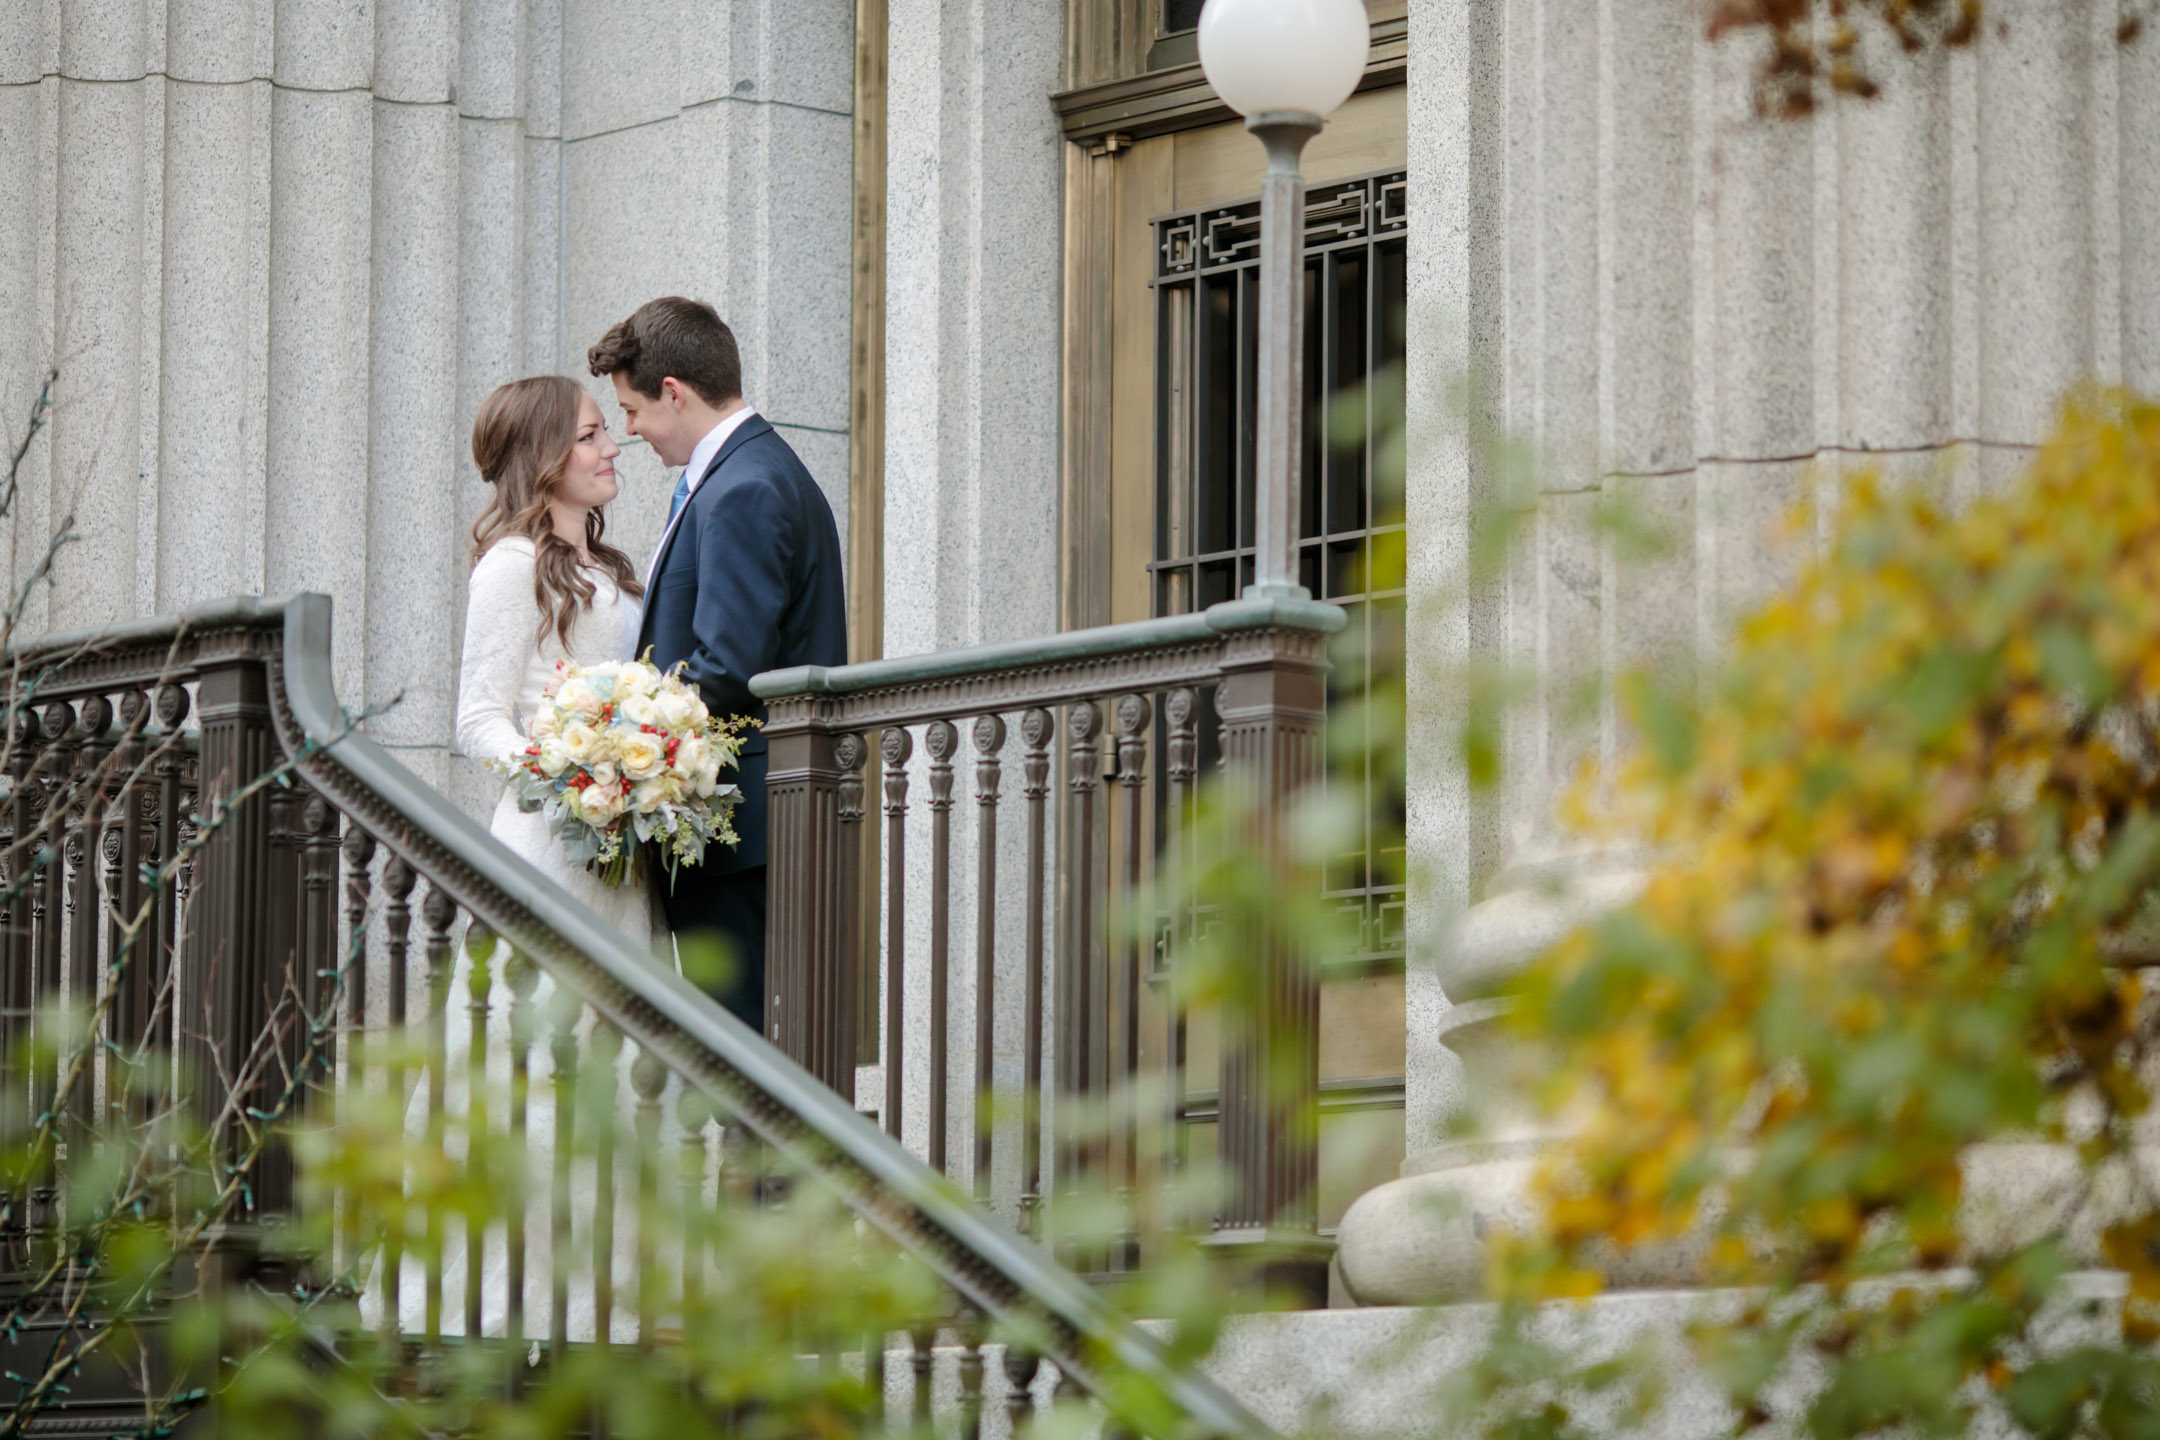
[[1207, 318]]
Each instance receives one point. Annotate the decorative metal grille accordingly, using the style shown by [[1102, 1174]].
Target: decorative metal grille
[[1207, 320]]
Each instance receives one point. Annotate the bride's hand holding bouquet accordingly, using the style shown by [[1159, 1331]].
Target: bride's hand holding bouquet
[[623, 759]]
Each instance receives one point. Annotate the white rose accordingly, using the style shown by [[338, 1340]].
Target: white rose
[[691, 755], [636, 678], [708, 776], [580, 742], [579, 698], [638, 709], [554, 756], [602, 772], [600, 805], [545, 726], [673, 709], [654, 793], [643, 755]]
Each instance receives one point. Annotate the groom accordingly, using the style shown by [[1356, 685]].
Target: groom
[[746, 579]]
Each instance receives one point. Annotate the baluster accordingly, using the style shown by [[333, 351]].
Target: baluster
[[1037, 730], [920, 1360], [563, 1050], [1181, 764], [319, 967], [607, 1042], [648, 1077], [278, 908], [480, 945], [352, 993], [1076, 993], [894, 749], [1134, 716], [81, 917], [121, 848], [48, 921], [18, 976], [398, 880], [1020, 1367], [694, 1112], [171, 708], [524, 981], [849, 753], [940, 740], [84, 846], [438, 912], [971, 1375], [989, 739]]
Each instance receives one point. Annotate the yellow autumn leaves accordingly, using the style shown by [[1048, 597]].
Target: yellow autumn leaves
[[1909, 850]]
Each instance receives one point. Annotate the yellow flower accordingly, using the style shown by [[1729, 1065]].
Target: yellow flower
[[577, 697], [581, 743], [643, 755], [600, 805]]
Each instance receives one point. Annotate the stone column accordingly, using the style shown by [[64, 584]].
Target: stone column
[[720, 166], [973, 256], [1455, 291]]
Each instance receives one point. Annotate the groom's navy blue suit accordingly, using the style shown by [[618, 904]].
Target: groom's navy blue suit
[[747, 581]]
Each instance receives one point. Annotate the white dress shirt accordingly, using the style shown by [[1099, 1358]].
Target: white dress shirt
[[701, 459]]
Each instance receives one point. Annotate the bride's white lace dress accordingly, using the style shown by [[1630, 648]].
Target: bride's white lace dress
[[507, 665]]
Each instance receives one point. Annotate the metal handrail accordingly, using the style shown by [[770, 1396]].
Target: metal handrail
[[995, 1269], [1072, 665]]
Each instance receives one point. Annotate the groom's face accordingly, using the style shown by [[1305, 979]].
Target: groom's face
[[658, 420]]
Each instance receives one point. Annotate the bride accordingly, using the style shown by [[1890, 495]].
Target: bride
[[544, 588]]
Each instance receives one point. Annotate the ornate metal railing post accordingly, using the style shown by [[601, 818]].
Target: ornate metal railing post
[[809, 985], [226, 957], [1272, 701]]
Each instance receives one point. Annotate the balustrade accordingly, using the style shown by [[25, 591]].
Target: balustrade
[[1093, 706], [210, 753]]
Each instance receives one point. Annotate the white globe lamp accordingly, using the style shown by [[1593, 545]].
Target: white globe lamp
[[1271, 56]]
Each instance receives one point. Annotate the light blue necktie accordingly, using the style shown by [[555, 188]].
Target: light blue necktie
[[682, 493]]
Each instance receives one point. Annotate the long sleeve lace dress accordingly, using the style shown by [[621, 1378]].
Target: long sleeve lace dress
[[507, 665]]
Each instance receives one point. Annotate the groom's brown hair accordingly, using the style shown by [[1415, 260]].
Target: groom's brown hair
[[672, 336]]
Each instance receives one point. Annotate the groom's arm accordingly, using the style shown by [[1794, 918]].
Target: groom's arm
[[745, 552]]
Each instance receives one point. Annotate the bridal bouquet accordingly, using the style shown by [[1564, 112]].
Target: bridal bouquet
[[624, 759]]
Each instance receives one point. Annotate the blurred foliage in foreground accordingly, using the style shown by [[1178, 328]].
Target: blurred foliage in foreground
[[1876, 1042]]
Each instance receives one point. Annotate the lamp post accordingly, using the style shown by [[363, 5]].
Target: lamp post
[[1284, 65]]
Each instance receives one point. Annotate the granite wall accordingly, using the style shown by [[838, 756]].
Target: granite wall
[[280, 250], [1712, 318]]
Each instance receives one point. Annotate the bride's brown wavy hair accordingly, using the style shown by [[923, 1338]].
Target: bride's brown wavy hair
[[521, 441]]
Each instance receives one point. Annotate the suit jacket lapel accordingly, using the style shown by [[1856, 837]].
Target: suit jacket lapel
[[752, 426]]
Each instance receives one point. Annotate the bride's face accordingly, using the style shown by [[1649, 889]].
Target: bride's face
[[589, 481]]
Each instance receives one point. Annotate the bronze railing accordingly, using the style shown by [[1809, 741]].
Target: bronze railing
[[128, 738], [1088, 709]]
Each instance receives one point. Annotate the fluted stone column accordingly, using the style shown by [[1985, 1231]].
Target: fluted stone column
[[1732, 315], [973, 259], [282, 249]]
